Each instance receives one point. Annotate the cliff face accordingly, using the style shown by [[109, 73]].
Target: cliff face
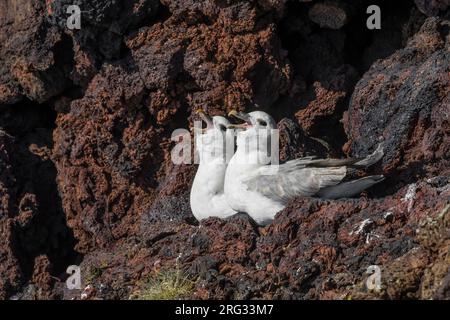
[[86, 118]]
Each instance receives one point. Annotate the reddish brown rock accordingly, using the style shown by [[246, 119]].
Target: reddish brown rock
[[326, 101], [313, 250], [103, 26], [331, 14], [85, 148], [404, 100], [43, 279], [118, 139], [32, 63], [110, 161], [31, 220]]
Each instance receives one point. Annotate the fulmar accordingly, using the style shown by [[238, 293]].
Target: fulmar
[[207, 196], [254, 188]]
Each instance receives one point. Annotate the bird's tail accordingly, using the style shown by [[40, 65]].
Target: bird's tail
[[355, 163], [371, 158], [350, 188]]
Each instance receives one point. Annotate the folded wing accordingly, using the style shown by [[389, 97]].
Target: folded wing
[[308, 176], [300, 177]]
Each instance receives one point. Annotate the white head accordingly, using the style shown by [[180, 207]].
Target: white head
[[215, 143], [262, 120], [257, 130], [254, 120]]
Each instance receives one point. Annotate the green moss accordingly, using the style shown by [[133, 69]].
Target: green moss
[[167, 285], [94, 273]]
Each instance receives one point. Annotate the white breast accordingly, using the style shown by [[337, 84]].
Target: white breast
[[207, 193]]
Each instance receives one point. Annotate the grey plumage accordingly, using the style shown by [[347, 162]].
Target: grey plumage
[[262, 190], [314, 177], [349, 188]]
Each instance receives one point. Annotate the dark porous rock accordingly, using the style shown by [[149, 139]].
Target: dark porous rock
[[205, 267], [103, 26], [35, 238], [86, 123], [33, 63], [105, 14], [329, 14], [402, 100], [434, 7], [325, 102], [294, 143], [112, 148], [10, 263], [161, 61], [111, 157], [314, 249]]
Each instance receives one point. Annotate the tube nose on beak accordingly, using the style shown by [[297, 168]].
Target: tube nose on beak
[[240, 115], [205, 117], [233, 113]]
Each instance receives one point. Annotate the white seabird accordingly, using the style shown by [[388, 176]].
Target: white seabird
[[207, 196], [252, 187]]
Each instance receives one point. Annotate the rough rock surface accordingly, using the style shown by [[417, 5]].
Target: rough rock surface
[[86, 118], [331, 15], [404, 100], [34, 61], [33, 226], [314, 250], [433, 7]]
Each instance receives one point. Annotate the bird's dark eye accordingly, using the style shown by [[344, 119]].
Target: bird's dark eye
[[262, 122], [222, 127]]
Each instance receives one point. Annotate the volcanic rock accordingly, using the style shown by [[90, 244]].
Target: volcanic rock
[[404, 101]]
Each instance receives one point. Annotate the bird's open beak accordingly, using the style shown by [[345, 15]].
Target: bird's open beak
[[205, 117], [240, 115]]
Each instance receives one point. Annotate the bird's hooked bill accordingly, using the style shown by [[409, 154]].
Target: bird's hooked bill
[[242, 116], [205, 117]]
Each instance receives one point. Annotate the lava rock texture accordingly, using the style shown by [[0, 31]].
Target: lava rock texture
[[86, 118]]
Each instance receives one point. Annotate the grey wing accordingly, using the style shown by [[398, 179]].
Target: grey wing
[[300, 177], [307, 176]]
